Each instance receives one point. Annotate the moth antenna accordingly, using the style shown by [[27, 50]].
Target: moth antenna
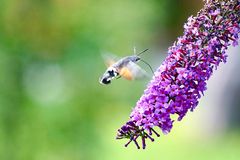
[[148, 65], [134, 50], [142, 52]]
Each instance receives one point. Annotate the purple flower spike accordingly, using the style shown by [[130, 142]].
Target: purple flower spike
[[180, 81]]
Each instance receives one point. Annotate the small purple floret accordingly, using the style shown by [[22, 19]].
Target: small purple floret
[[181, 80]]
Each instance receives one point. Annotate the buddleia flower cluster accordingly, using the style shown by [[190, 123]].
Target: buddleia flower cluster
[[181, 80]]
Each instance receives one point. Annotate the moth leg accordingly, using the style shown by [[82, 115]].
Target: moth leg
[[118, 77]]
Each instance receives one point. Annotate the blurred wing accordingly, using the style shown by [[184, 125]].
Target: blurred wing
[[109, 59], [132, 71]]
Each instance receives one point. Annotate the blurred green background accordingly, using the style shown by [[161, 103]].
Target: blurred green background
[[51, 104]]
